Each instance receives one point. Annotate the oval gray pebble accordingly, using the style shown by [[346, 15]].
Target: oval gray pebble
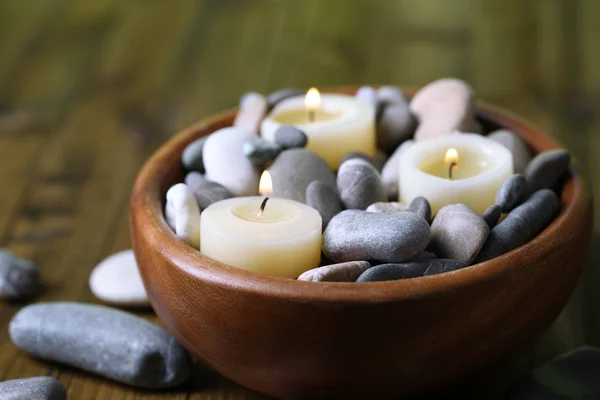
[[191, 158], [512, 192], [391, 94], [491, 215], [260, 151], [421, 207], [37, 388], [104, 341], [19, 278], [457, 232], [362, 156], [205, 191], [281, 94], [324, 199], [386, 207], [514, 143], [393, 272], [442, 265], [397, 124], [342, 272], [295, 169], [390, 172], [521, 225], [359, 184], [367, 95], [290, 137], [424, 256], [359, 235], [546, 169]]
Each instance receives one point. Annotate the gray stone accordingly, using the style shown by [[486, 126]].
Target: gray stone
[[421, 207], [390, 172], [367, 95], [19, 278], [281, 94], [393, 272], [546, 169], [104, 341], [342, 272], [521, 225], [442, 265], [226, 163], [260, 151], [386, 207], [295, 169], [391, 94], [424, 256], [38, 388], [514, 143], [191, 158], [205, 191], [491, 215], [457, 232], [477, 127], [362, 156], [512, 192], [359, 235], [290, 137], [397, 124], [251, 113], [324, 199], [359, 184]]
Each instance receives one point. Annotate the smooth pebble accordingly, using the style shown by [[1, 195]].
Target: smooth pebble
[[512, 192], [290, 137], [362, 156], [521, 224], [102, 340], [367, 95], [386, 207], [260, 151], [205, 191], [442, 265], [248, 97], [281, 94], [37, 388], [443, 106], [183, 213], [421, 207], [116, 280], [19, 279], [342, 272], [491, 215], [390, 172], [251, 113], [324, 199], [295, 169], [457, 232], [477, 127], [546, 169], [514, 143], [393, 272], [359, 184], [396, 124], [226, 163], [424, 256], [191, 158], [388, 237], [391, 94]]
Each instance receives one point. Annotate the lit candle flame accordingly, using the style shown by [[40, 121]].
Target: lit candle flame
[[266, 184], [312, 100], [451, 159]]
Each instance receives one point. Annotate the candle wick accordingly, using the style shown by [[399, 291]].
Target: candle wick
[[452, 166], [262, 207], [311, 115]]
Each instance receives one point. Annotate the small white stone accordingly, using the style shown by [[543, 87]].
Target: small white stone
[[117, 280], [253, 107], [183, 209]]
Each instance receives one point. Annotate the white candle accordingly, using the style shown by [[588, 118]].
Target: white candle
[[455, 168], [284, 239], [335, 124]]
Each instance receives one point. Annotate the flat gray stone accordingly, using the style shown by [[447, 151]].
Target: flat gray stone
[[324, 199], [205, 191], [443, 265], [367, 95], [512, 192], [342, 272], [226, 164], [261, 152], [521, 224], [19, 279], [391, 170], [191, 158], [388, 237], [491, 215], [457, 232], [281, 94], [396, 124], [290, 137], [516, 145], [421, 207], [359, 184], [393, 272], [37, 388], [295, 169], [546, 169], [252, 110], [391, 94], [387, 207], [362, 156], [102, 340]]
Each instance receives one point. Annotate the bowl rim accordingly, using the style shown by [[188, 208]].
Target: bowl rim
[[146, 205]]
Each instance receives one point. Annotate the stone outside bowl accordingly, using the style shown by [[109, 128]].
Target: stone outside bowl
[[313, 340]]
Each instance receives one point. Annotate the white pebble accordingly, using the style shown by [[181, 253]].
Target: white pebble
[[253, 107], [185, 212]]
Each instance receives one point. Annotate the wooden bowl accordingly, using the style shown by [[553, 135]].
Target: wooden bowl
[[313, 340]]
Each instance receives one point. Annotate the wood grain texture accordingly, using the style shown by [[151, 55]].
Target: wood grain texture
[[89, 89]]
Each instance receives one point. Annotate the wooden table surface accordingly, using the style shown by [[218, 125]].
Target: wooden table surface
[[88, 89]]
